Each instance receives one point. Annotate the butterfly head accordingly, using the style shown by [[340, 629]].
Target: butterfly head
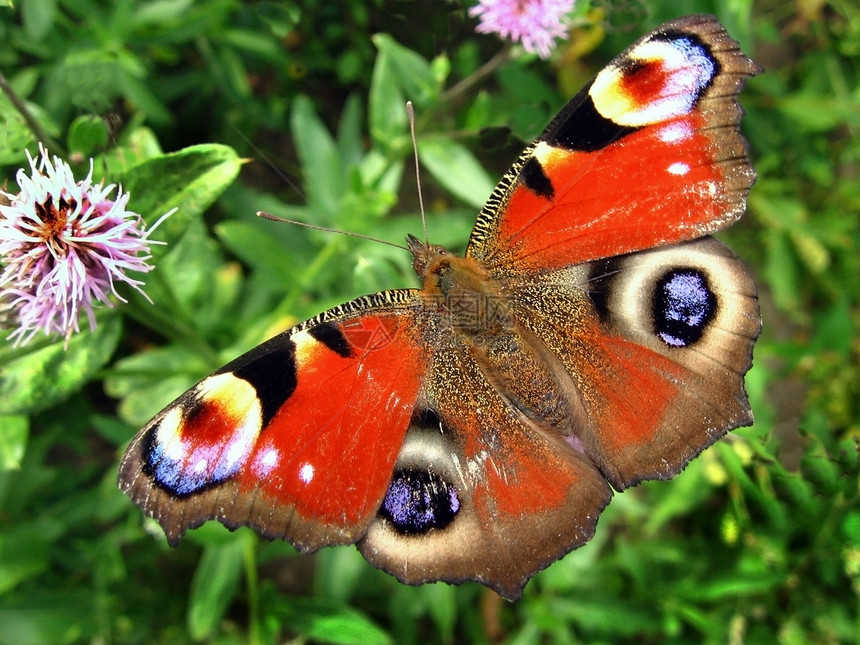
[[425, 257]]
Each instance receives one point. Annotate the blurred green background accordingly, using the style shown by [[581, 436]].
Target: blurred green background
[[757, 541]]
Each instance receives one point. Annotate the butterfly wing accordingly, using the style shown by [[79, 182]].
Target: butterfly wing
[[481, 489], [375, 423], [655, 341], [648, 153], [297, 438]]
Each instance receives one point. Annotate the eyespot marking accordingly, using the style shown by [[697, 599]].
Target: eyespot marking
[[683, 306], [418, 501], [206, 439], [660, 79]]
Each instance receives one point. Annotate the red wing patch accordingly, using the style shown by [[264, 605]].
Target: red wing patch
[[655, 186], [299, 435], [648, 154], [327, 452]]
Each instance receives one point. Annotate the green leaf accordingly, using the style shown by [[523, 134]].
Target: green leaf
[[688, 491], [835, 327], [14, 431], [851, 528], [25, 551], [338, 573], [387, 105], [147, 381], [189, 180], [736, 585], [349, 131], [36, 376], [130, 81], [189, 271], [214, 585], [138, 145], [281, 19], [455, 168], [781, 270], [157, 12], [86, 135], [529, 100], [322, 165], [259, 249], [819, 113], [327, 622], [43, 616], [415, 76], [15, 135], [441, 601], [38, 17]]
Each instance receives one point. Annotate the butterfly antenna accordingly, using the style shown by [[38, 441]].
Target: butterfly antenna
[[337, 231], [411, 112], [299, 192], [262, 155]]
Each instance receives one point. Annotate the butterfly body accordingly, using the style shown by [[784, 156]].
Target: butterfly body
[[593, 336]]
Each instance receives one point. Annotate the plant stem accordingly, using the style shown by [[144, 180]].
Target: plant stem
[[477, 76], [39, 132], [251, 579]]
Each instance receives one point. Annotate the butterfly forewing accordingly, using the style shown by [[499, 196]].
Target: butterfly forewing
[[297, 438], [647, 154]]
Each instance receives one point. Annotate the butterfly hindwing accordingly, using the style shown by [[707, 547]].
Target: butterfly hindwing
[[297, 438], [657, 343], [513, 493]]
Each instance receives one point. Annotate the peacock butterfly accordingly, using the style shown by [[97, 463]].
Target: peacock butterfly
[[593, 336]]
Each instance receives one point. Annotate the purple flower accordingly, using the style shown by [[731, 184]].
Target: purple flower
[[63, 247], [534, 23]]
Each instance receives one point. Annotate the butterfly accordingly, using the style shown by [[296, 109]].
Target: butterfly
[[593, 336]]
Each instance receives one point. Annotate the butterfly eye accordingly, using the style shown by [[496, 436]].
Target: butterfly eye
[[440, 267], [418, 501], [683, 307]]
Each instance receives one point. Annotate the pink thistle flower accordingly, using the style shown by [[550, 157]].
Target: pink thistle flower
[[63, 246], [534, 23]]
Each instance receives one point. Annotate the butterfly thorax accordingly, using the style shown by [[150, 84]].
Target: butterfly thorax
[[461, 289], [474, 315]]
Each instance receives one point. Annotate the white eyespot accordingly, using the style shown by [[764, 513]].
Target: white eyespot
[[265, 462], [678, 168], [306, 473], [659, 80], [200, 467], [675, 132], [168, 435]]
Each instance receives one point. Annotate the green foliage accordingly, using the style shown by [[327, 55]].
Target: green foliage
[[757, 541]]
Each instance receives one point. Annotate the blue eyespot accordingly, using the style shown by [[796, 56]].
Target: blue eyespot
[[683, 307], [418, 501]]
